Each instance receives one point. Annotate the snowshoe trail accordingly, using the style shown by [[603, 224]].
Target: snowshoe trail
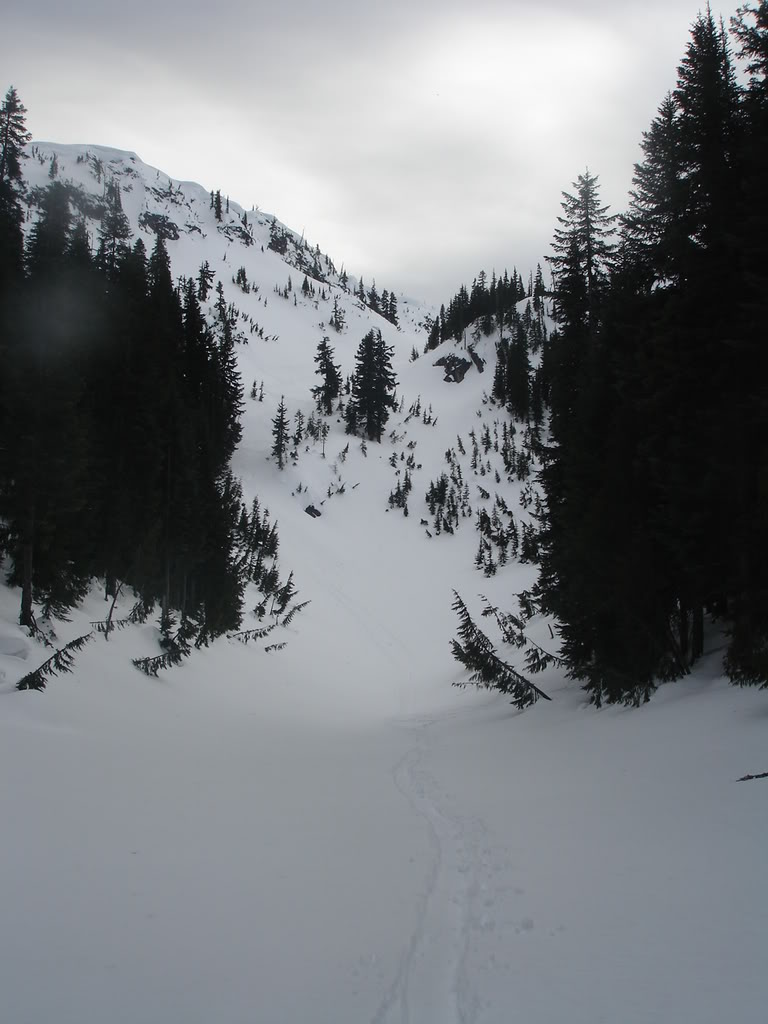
[[433, 981]]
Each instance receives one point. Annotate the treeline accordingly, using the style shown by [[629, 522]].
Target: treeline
[[385, 304], [518, 384], [491, 305], [320, 267], [656, 478], [120, 408]]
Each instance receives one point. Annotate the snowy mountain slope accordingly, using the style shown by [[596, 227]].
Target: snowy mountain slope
[[279, 358], [183, 212], [331, 832]]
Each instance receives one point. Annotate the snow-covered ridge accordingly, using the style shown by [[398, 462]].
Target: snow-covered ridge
[[145, 188], [185, 210]]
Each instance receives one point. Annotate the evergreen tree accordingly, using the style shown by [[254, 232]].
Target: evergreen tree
[[133, 459], [13, 138], [654, 238], [175, 464], [205, 279], [220, 576], [582, 251], [48, 244], [747, 658], [580, 263], [278, 239], [326, 393], [115, 229], [224, 386], [280, 434], [693, 377], [576, 557], [337, 320], [475, 651], [707, 96], [518, 373], [373, 387]]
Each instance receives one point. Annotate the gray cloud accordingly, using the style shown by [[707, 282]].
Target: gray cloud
[[417, 142]]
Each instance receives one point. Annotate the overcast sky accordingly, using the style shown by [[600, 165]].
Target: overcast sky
[[417, 142]]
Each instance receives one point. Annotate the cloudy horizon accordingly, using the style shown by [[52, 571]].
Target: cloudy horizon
[[416, 144]]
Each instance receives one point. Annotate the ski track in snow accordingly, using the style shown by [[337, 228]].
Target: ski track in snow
[[433, 981]]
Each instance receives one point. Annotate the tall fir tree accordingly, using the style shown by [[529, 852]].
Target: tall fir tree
[[13, 138], [747, 658], [373, 387], [115, 229], [280, 434], [326, 393], [576, 544]]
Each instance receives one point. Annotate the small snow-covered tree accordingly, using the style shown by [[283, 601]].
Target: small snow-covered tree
[[280, 433]]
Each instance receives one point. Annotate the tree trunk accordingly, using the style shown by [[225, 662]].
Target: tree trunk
[[26, 618], [683, 634], [697, 633]]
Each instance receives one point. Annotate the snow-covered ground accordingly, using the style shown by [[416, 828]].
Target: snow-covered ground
[[332, 833]]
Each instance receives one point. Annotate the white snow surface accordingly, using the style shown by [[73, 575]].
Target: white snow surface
[[332, 833]]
